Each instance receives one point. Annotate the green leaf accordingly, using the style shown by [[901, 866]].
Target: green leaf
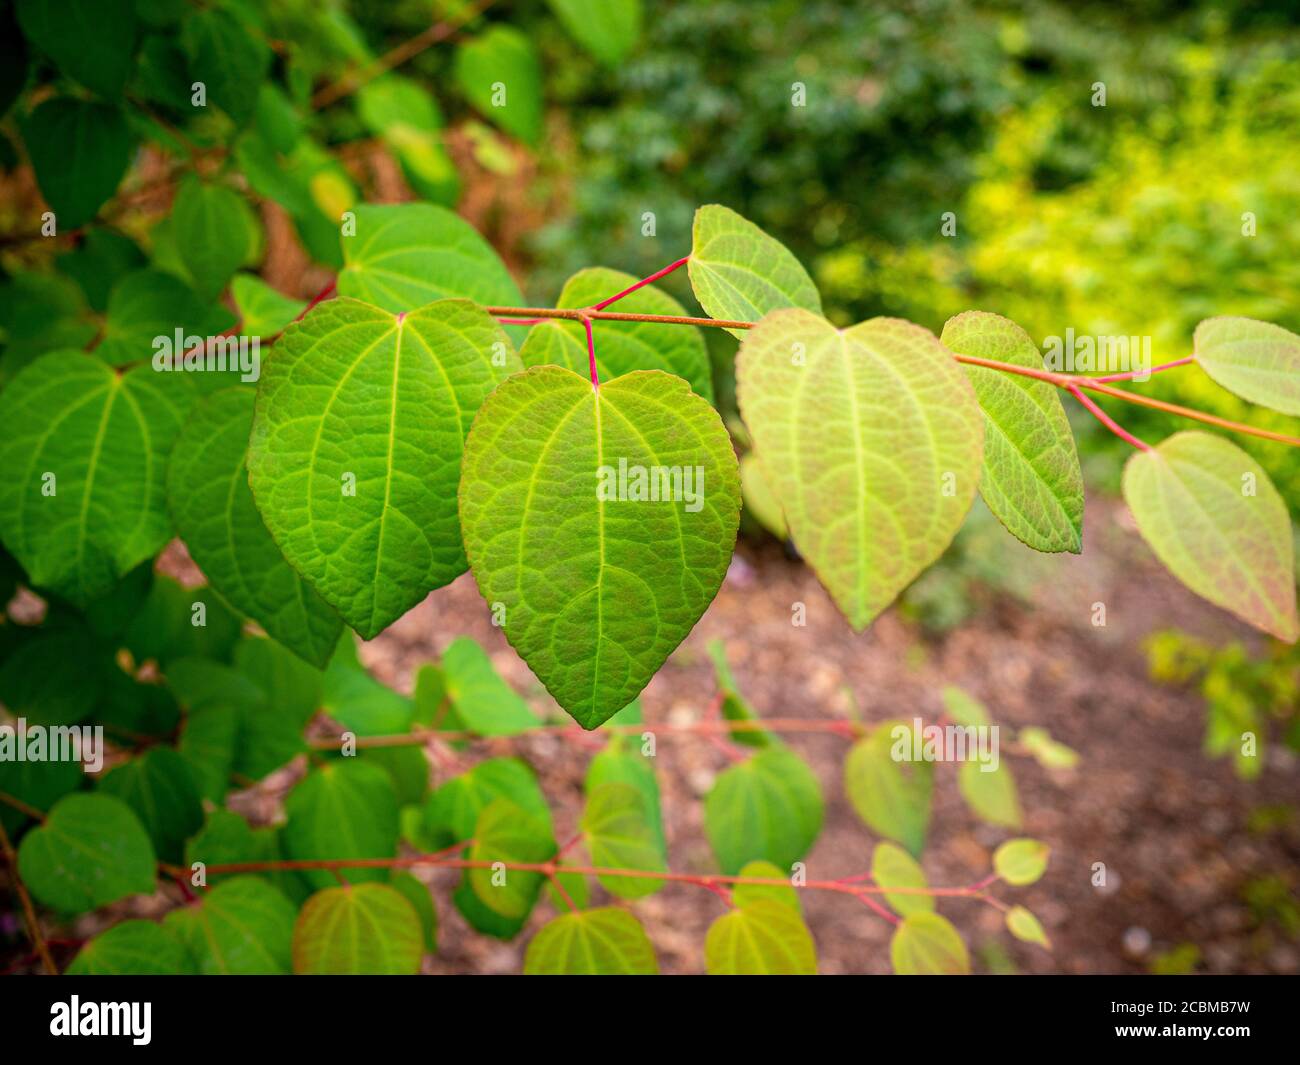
[[207, 487], [91, 41], [160, 788], [1255, 360], [170, 624], [597, 591], [103, 256], [601, 942], [36, 784], [504, 834], [1021, 861], [759, 500], [357, 701], [146, 305], [964, 709], [500, 74], [619, 832], [36, 684], [417, 894], [132, 948], [1022, 924], [79, 151], [345, 809], [1049, 753], [621, 347], [105, 438], [990, 793], [263, 312], [622, 762], [762, 938], [90, 851], [925, 944], [215, 233], [893, 867], [891, 795], [228, 57], [1032, 480], [452, 811], [404, 256], [769, 807], [740, 273], [735, 707], [226, 839], [1214, 519], [361, 930], [405, 115], [743, 894], [484, 703], [243, 927], [831, 412], [354, 459], [608, 29]]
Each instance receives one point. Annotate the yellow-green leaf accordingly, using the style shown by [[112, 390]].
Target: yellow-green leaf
[[1021, 861], [1256, 360], [601, 942], [762, 938], [925, 944], [1022, 924], [893, 867]]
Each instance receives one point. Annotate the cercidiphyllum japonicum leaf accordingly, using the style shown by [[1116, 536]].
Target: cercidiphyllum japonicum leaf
[[92, 41], [452, 811], [79, 151], [263, 312], [893, 867], [358, 930], [500, 74], [242, 927], [150, 303], [602, 942], [482, 700], [1214, 519], [620, 346], [762, 938], [160, 788], [599, 582], [133, 948], [1022, 924], [742, 894], [104, 438], [872, 439], [207, 489], [608, 29], [505, 834], [925, 944], [91, 850], [1021, 861], [215, 233], [406, 255], [768, 806], [344, 809], [1032, 480], [740, 273], [619, 832], [405, 115], [1255, 360], [355, 454], [891, 795], [990, 791], [229, 57]]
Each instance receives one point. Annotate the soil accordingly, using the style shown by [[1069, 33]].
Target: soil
[[1168, 823]]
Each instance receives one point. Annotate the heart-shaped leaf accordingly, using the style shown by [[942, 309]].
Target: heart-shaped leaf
[[133, 948], [354, 459], [358, 930], [1021, 861], [242, 927], [620, 346], [1256, 360], [1032, 480], [768, 806], [891, 795], [79, 151], [500, 74], [345, 809], [1214, 519], [871, 438], [893, 867], [90, 851], [601, 942], [506, 834], [619, 832], [602, 521], [608, 29], [91, 40], [207, 489], [86, 449], [925, 944], [406, 255], [740, 273], [761, 938]]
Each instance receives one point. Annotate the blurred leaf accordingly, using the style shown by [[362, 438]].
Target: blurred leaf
[[500, 74], [132, 948], [768, 807], [762, 938], [79, 151], [608, 29], [357, 930], [602, 942], [891, 796], [620, 833], [241, 927], [925, 944], [1255, 360], [893, 867], [1022, 924], [1021, 861]]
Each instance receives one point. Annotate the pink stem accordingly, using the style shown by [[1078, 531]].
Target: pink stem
[[591, 353], [1130, 374], [323, 294], [522, 321], [1106, 419], [642, 283]]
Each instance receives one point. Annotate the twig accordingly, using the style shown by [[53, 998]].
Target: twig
[[29, 911]]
